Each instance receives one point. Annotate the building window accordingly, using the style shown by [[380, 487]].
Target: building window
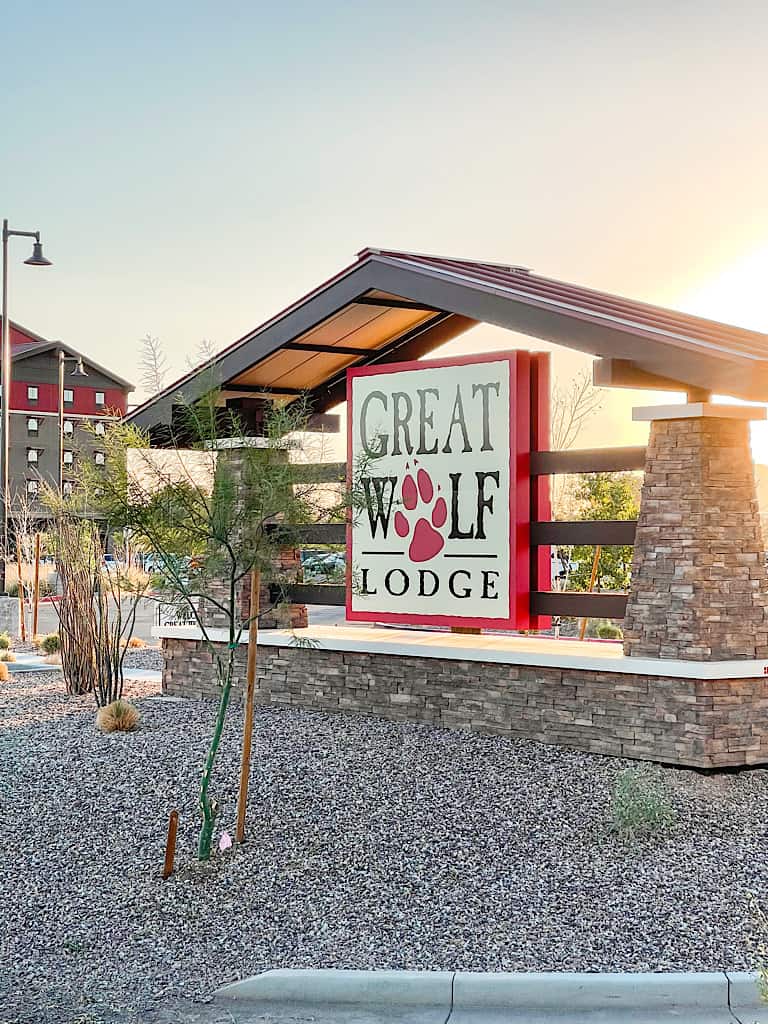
[[32, 393], [33, 425], [69, 458], [69, 427], [32, 487], [99, 429], [99, 457], [69, 396], [99, 398], [98, 492], [32, 454], [67, 488]]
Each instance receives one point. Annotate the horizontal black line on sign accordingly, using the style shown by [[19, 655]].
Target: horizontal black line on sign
[[587, 460], [382, 552], [579, 605], [606, 532], [470, 556]]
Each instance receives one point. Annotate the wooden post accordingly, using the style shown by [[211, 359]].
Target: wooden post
[[170, 844], [36, 591], [250, 683], [592, 580], [22, 618]]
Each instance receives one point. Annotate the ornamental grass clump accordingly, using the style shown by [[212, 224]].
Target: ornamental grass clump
[[6, 655], [50, 644], [4, 673], [639, 806], [119, 716], [5, 641]]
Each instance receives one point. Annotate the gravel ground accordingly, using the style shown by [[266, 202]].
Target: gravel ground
[[371, 845]]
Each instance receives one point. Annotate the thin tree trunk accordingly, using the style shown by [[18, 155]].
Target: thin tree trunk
[[207, 806]]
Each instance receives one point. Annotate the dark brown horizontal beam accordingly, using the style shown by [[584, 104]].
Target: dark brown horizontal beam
[[319, 473], [259, 389], [322, 423], [587, 460], [371, 300], [321, 533], [344, 350], [317, 593], [607, 532], [574, 604]]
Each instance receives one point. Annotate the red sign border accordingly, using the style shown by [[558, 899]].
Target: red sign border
[[519, 493]]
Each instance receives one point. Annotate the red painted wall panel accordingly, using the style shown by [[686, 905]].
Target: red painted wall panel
[[83, 405]]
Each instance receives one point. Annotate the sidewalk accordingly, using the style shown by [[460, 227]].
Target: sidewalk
[[444, 997]]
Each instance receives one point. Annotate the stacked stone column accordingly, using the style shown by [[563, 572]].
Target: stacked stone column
[[273, 612], [699, 588]]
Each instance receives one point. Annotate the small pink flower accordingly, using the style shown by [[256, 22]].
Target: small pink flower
[[225, 843]]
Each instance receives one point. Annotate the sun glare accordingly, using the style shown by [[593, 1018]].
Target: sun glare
[[738, 295]]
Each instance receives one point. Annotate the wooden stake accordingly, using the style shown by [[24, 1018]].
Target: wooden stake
[[170, 844], [36, 592], [250, 683], [22, 618], [592, 580]]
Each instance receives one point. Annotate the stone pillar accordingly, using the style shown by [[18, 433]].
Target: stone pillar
[[699, 588], [287, 569]]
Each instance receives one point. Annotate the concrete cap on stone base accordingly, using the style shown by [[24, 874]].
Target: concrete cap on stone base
[[698, 410]]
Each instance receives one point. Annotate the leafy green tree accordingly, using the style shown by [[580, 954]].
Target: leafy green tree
[[605, 496]]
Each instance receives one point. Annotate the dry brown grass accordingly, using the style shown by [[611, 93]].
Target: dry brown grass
[[7, 656], [136, 642], [52, 659], [4, 673], [119, 716]]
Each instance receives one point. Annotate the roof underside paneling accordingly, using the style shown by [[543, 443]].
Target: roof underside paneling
[[392, 305]]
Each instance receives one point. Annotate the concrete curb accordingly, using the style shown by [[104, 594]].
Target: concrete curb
[[466, 995], [339, 987]]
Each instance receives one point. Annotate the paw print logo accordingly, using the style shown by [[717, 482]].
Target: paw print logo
[[426, 542]]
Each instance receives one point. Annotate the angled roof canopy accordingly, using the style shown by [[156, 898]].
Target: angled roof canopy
[[390, 306]]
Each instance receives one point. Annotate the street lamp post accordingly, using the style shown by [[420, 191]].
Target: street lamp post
[[78, 371], [35, 260]]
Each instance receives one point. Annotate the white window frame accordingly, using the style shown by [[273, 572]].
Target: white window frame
[[99, 458], [67, 487], [68, 458], [100, 398], [69, 396], [69, 427], [33, 487], [33, 393], [99, 428], [33, 456], [33, 429]]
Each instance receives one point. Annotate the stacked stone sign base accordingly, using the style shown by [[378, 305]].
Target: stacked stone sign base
[[705, 723]]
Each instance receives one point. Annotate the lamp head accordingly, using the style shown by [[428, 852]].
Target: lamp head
[[79, 370], [37, 259]]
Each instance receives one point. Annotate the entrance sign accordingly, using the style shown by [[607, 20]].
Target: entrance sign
[[438, 455]]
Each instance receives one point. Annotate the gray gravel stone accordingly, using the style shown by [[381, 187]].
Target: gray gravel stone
[[371, 845]]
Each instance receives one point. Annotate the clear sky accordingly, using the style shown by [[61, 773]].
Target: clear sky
[[194, 167]]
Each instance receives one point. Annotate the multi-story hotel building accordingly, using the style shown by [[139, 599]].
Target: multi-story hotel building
[[38, 440]]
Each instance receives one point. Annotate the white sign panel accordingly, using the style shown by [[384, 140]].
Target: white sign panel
[[430, 454]]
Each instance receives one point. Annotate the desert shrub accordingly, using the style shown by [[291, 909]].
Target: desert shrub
[[6, 655], [136, 642], [119, 716], [5, 641], [50, 644], [44, 589], [609, 631], [639, 805], [4, 673]]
